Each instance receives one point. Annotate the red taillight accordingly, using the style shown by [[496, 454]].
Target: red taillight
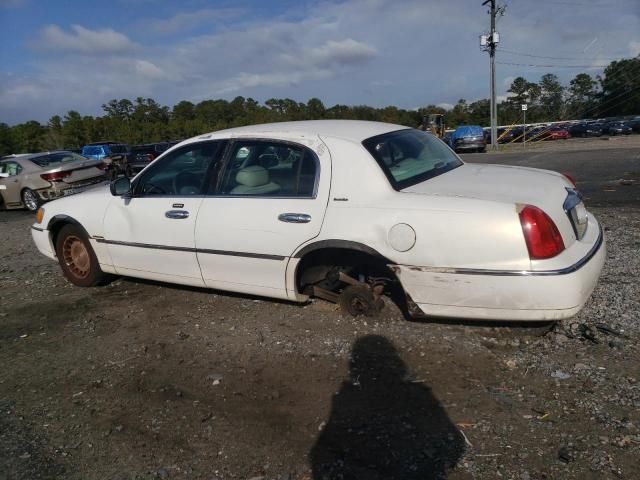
[[55, 176], [541, 234], [570, 178]]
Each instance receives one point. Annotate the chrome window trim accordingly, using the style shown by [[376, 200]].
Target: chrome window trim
[[518, 273]]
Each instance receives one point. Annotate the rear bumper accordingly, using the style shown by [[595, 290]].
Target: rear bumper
[[508, 296], [61, 189], [461, 147]]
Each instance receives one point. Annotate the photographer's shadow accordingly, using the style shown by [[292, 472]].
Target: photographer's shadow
[[383, 425]]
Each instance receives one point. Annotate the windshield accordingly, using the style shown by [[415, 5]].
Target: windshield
[[408, 157]]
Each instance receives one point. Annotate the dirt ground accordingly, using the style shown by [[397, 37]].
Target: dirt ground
[[138, 380]]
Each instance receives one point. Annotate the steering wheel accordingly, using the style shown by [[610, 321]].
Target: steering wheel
[[151, 188], [186, 183]]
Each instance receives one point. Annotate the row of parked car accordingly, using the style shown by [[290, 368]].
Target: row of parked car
[[29, 180], [473, 138]]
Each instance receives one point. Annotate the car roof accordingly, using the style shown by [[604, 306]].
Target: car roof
[[28, 156], [354, 130]]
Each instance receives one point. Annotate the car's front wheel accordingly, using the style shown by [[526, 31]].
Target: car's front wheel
[[30, 200], [77, 258]]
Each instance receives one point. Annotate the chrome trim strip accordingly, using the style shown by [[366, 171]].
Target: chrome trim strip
[[192, 250], [37, 229], [519, 273]]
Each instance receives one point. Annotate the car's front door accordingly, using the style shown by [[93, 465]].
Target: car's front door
[[151, 233], [10, 183], [270, 198]]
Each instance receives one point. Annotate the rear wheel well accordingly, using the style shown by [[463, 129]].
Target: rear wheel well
[[316, 265]]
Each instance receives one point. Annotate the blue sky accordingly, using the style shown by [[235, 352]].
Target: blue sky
[[59, 55]]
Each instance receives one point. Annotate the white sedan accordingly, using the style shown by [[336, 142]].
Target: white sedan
[[345, 210]]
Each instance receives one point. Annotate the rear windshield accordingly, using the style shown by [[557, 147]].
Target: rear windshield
[[408, 157], [118, 148], [57, 159], [92, 151]]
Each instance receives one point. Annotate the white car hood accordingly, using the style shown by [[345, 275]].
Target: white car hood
[[500, 183]]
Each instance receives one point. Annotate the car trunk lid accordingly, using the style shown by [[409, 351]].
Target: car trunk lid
[[544, 189]]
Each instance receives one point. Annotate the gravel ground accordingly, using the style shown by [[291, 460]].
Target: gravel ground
[[141, 380]]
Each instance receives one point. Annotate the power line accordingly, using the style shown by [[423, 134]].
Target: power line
[[510, 52], [551, 66]]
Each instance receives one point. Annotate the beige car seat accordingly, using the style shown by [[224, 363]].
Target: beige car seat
[[254, 180]]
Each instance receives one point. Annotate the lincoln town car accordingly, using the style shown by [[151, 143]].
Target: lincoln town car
[[348, 211]]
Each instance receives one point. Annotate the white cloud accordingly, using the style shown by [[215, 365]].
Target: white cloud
[[148, 69], [83, 40], [187, 20], [634, 48], [344, 52]]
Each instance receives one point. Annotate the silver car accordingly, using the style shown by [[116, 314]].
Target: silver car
[[28, 180]]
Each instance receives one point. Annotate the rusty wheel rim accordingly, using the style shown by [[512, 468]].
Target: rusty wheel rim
[[358, 306], [76, 256]]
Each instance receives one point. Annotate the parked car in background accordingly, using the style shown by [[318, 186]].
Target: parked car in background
[[468, 138], [556, 133], [586, 130], [274, 210], [506, 135], [617, 128], [115, 156], [35, 178], [635, 125], [142, 155]]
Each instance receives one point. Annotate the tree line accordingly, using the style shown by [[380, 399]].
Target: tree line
[[614, 93]]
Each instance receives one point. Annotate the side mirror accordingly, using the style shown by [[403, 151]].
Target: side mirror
[[120, 186]]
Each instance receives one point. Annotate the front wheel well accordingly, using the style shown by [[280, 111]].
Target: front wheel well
[[57, 223]]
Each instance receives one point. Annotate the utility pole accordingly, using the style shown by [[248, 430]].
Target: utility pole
[[490, 42]]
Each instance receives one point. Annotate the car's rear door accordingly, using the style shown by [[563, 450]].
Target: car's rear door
[[151, 234], [271, 198]]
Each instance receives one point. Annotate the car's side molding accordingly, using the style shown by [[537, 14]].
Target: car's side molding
[[261, 256], [343, 244]]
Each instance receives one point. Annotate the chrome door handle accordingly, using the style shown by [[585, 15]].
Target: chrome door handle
[[294, 217], [176, 214]]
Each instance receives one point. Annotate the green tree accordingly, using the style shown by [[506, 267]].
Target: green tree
[[620, 85], [551, 98], [582, 95], [73, 132]]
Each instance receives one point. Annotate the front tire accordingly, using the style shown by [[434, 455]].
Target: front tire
[[77, 259], [30, 200]]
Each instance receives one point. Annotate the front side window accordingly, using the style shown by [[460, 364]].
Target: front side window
[[273, 169], [409, 156], [187, 171]]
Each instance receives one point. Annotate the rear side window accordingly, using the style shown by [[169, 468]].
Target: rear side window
[[270, 169]]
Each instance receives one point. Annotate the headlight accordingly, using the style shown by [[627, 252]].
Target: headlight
[[39, 215]]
